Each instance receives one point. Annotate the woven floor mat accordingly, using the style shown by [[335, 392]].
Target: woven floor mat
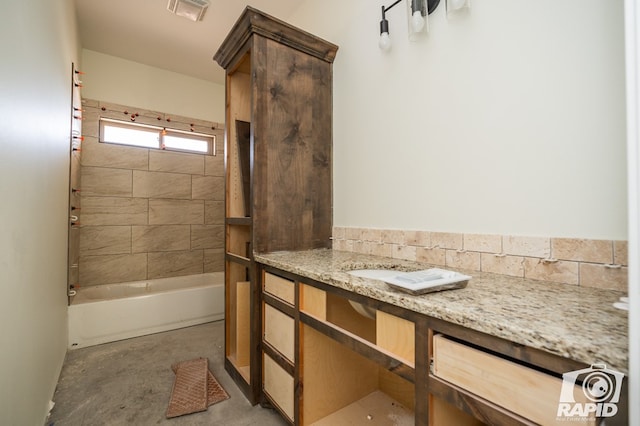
[[194, 388]]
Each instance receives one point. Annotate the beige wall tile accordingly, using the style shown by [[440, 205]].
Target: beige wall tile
[[115, 268], [207, 188], [95, 240], [463, 260], [600, 276], [561, 271], [380, 249], [504, 265], [581, 250], [175, 263], [358, 246], [207, 236], [621, 253], [348, 245], [338, 233], [339, 245], [483, 243], [527, 246], [353, 233], [371, 234], [417, 238], [392, 236], [214, 260], [160, 238], [114, 211], [214, 164], [176, 212], [116, 156], [106, 182], [161, 185], [176, 162], [403, 252], [214, 212], [446, 240], [432, 256]]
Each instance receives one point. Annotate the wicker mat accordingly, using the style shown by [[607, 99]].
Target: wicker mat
[[194, 388]]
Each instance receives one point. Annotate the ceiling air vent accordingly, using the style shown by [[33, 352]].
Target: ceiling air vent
[[191, 9]]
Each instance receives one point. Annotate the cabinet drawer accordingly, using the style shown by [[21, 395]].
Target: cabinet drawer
[[279, 331], [278, 384], [279, 287], [522, 390]]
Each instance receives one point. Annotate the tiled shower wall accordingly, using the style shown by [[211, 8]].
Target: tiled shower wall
[[583, 262], [148, 213]]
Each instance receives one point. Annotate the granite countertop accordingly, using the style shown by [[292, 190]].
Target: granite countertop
[[574, 322]]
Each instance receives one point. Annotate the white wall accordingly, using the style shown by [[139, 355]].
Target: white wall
[[112, 79], [508, 121], [37, 45]]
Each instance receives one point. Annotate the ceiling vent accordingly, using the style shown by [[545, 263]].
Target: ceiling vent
[[191, 9]]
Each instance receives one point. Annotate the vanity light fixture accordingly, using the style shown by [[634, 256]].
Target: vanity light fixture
[[417, 15]]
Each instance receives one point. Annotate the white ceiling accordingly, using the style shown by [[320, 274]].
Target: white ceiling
[[145, 31]]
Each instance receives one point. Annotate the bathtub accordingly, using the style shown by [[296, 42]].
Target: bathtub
[[113, 312]]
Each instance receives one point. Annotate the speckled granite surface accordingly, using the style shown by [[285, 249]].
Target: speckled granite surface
[[570, 321]]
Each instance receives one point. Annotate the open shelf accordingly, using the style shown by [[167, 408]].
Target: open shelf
[[336, 377], [383, 332]]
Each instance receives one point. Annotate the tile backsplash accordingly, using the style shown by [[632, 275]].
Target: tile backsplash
[[148, 213], [589, 263]]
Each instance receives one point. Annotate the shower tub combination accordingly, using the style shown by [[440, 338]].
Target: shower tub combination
[[113, 312]]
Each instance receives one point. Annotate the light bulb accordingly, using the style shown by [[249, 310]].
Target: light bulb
[[385, 41], [417, 21]]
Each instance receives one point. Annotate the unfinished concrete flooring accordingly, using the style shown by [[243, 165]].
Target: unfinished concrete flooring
[[129, 382]]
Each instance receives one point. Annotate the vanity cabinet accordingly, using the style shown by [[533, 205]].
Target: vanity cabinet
[[278, 157], [331, 357]]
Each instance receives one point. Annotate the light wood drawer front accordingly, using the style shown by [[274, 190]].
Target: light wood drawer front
[[396, 335], [279, 331], [278, 384], [313, 301], [522, 390], [280, 288]]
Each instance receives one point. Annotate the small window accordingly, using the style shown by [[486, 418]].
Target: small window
[[145, 136]]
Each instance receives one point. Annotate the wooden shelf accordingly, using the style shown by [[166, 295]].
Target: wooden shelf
[[375, 409]]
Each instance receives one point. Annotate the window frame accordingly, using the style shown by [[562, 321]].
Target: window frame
[[161, 132]]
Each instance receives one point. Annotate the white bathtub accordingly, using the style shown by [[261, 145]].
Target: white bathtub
[[113, 312]]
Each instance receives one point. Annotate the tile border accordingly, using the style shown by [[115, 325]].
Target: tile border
[[576, 261]]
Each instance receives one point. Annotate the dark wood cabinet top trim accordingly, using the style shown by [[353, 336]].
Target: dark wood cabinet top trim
[[253, 21]]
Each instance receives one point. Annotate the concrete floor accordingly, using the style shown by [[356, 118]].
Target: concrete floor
[[129, 382]]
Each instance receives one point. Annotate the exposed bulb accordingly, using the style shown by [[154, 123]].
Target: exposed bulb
[[384, 42], [417, 21]]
